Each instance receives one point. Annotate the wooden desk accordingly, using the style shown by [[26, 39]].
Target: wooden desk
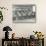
[[24, 42]]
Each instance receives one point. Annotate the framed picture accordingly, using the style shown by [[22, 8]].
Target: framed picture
[[24, 13]]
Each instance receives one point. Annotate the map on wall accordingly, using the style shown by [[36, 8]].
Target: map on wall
[[24, 13]]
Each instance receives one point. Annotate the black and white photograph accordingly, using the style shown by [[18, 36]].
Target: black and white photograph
[[24, 13]]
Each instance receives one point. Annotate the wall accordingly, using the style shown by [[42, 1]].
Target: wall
[[24, 29]]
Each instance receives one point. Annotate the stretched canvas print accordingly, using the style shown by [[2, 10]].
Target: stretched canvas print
[[24, 13]]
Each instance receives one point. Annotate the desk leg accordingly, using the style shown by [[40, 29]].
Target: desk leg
[[2, 42], [43, 42]]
